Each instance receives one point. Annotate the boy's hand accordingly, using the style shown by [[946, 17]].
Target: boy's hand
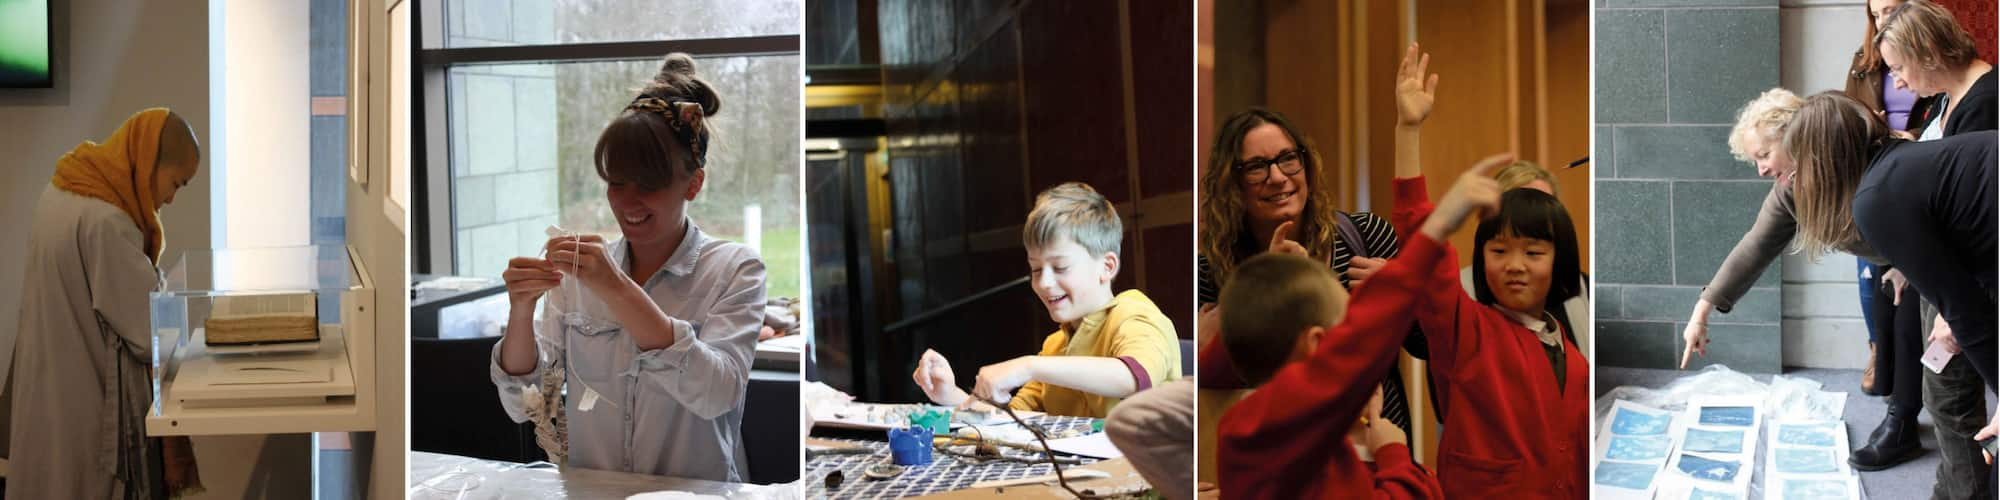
[[1381, 432], [1475, 193], [1210, 325], [997, 381], [1414, 92], [935, 377]]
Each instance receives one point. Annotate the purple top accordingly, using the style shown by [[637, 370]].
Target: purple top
[[1897, 103]]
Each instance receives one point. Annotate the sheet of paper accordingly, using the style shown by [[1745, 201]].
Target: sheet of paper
[[1093, 445], [1627, 457], [1807, 460], [1718, 448]]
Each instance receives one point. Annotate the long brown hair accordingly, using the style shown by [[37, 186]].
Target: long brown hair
[[1831, 139], [1225, 237], [665, 127], [1871, 57]]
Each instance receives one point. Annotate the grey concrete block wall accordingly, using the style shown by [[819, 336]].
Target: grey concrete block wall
[[504, 136], [1671, 201]]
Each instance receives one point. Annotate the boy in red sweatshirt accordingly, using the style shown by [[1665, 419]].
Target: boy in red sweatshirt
[[1284, 318]]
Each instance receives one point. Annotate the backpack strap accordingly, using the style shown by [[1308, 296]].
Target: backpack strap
[[1351, 234]]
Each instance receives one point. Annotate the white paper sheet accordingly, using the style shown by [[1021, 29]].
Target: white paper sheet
[[1807, 460], [1627, 457], [1094, 445]]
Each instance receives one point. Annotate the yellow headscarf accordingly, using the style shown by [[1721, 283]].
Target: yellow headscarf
[[120, 172]]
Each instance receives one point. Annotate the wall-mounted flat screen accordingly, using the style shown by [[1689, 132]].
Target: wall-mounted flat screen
[[24, 44]]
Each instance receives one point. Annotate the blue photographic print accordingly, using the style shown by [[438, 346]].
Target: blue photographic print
[[1630, 422], [1625, 475], [1818, 434], [1729, 416], [1707, 441], [1701, 494], [1712, 470], [1805, 460], [1815, 489], [1638, 447]]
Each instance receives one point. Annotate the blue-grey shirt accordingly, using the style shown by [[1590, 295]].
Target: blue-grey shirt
[[676, 411]]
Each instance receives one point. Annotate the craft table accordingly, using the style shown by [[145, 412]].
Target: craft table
[[434, 475], [948, 476]]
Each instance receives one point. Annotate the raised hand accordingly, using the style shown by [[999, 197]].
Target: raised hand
[[1475, 193], [1416, 88]]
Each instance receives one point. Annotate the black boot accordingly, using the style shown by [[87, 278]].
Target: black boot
[[1892, 443]]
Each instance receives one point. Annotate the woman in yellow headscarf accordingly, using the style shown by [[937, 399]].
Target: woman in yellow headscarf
[[82, 360]]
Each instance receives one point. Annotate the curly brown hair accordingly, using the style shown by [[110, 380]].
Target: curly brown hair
[[1225, 238]]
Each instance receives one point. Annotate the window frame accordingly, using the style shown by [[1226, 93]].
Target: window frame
[[433, 246]]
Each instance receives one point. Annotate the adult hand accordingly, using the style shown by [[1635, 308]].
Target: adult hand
[[1941, 334], [1895, 280], [1992, 429], [1361, 268], [1696, 337], [528, 278], [1416, 89], [1281, 241], [996, 382], [1696, 334], [935, 377], [585, 258]]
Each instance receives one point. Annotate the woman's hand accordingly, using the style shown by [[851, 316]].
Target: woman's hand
[[1696, 334], [1475, 193], [1360, 268], [1414, 92], [585, 258], [1894, 279], [1941, 334], [528, 278], [935, 377], [997, 381], [1992, 429], [1281, 241]]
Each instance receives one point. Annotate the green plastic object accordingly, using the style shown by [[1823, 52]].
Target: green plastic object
[[937, 420], [1096, 425]]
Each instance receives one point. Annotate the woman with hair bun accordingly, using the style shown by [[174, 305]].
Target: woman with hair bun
[[650, 336]]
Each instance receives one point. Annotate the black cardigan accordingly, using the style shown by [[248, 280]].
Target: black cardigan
[[1974, 112]]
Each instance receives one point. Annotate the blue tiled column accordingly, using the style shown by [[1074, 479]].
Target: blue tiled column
[[1671, 202]]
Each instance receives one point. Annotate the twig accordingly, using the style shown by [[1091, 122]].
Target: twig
[[1037, 431]]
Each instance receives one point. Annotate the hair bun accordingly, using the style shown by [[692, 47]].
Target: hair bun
[[678, 63], [677, 79]]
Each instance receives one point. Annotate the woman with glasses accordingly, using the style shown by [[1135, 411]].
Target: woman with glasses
[[1264, 190]]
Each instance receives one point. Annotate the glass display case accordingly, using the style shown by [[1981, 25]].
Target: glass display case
[[263, 341]]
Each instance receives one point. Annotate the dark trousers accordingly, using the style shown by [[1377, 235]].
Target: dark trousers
[[1899, 346], [1956, 399]]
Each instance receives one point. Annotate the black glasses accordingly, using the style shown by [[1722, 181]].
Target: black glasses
[[1257, 170]]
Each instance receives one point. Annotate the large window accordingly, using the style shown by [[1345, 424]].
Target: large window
[[484, 23], [519, 131]]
